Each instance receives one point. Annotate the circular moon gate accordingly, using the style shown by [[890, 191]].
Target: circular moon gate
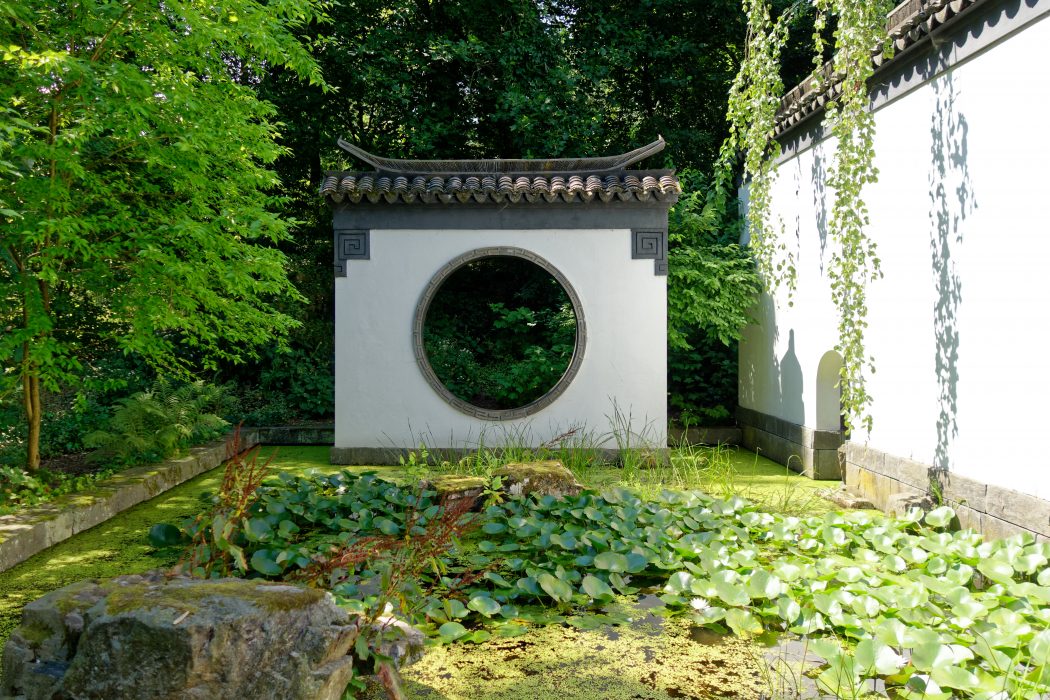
[[420, 336]]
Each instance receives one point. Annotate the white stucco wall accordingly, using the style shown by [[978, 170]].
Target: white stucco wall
[[382, 398], [959, 323]]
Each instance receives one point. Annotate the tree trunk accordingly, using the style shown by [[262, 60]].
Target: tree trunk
[[34, 413]]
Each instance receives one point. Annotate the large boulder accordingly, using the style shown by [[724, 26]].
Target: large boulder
[[154, 636], [545, 478]]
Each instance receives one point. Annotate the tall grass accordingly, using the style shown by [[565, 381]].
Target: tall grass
[[626, 456]]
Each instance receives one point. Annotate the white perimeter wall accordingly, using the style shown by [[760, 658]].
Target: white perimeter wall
[[959, 324], [382, 398]]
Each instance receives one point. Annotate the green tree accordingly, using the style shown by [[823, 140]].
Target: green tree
[[137, 202]]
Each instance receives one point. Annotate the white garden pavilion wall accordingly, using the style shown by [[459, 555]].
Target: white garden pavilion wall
[[959, 321], [602, 228]]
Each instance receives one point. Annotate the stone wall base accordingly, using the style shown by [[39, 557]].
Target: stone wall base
[[812, 453], [386, 456], [991, 510], [320, 434], [704, 436]]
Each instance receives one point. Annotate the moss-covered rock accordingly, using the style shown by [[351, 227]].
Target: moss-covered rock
[[153, 636], [546, 478], [454, 487]]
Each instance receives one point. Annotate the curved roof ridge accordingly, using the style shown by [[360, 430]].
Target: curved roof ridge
[[497, 165]]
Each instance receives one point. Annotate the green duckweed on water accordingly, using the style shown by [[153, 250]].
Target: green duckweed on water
[[644, 662], [119, 546]]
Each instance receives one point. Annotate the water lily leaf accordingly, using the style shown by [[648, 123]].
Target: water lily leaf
[[478, 636], [892, 631], [879, 656], [386, 526], [708, 615], [555, 588], [451, 631], [596, 588], [1039, 648], [763, 584], [788, 609], [825, 648], [841, 678], [914, 555], [930, 655], [257, 530], [511, 629], [484, 605], [679, 583], [494, 528], [455, 608], [611, 561], [940, 517], [922, 687], [894, 563], [742, 622], [637, 562], [621, 584], [954, 677], [1043, 579], [564, 540], [497, 579], [732, 593], [262, 561], [866, 605], [850, 574], [787, 571], [529, 585], [165, 535], [1028, 563], [996, 570]]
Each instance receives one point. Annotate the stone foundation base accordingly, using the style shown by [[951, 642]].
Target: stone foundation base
[[991, 510], [387, 456], [812, 453]]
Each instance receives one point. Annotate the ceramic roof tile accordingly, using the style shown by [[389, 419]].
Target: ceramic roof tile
[[908, 24], [455, 189], [494, 181]]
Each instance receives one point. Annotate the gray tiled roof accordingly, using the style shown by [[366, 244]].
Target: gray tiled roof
[[908, 24], [661, 185], [551, 180]]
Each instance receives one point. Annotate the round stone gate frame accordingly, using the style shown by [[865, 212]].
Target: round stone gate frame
[[428, 370]]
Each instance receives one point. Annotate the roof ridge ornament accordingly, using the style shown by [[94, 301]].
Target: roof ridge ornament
[[497, 165]]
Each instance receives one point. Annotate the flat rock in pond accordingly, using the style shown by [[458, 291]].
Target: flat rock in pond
[[152, 636], [546, 478]]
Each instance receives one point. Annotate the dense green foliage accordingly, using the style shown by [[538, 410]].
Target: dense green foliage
[[138, 212], [712, 284], [158, 213], [504, 349], [933, 612], [147, 426]]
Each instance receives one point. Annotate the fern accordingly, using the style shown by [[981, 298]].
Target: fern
[[156, 424]]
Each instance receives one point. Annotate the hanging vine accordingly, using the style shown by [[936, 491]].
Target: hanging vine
[[753, 103]]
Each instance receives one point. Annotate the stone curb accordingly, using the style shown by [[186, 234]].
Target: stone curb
[[33, 530]]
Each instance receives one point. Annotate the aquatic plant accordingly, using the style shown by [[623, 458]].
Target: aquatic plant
[[931, 611]]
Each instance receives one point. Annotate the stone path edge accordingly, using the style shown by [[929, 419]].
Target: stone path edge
[[33, 530]]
